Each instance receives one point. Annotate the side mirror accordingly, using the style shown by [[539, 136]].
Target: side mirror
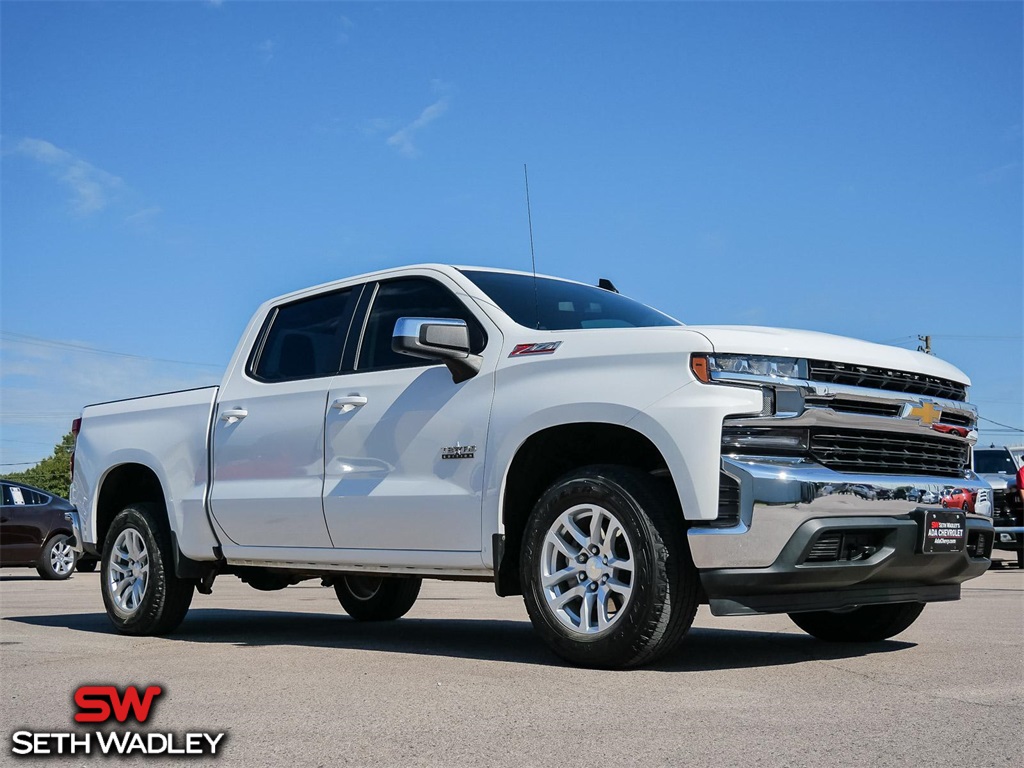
[[437, 338]]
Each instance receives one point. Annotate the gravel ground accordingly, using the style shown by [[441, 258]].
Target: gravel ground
[[463, 680]]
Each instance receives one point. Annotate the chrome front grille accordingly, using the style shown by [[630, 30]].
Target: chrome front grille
[[865, 407], [888, 453], [885, 379]]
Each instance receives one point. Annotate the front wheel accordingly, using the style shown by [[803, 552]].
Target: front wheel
[[141, 592], [867, 624], [57, 560], [607, 574], [377, 598]]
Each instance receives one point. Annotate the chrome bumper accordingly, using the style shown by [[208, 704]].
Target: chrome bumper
[[75, 521], [779, 495]]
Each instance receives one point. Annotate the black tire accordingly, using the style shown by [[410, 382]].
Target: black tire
[[87, 565], [663, 582], [867, 624], [377, 598], [57, 559], [165, 599], [965, 507]]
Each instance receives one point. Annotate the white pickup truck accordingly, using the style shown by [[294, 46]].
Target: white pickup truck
[[613, 466]]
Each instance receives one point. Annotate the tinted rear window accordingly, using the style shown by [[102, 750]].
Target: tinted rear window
[[557, 305]]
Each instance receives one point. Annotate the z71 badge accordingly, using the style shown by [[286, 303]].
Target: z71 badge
[[458, 452]]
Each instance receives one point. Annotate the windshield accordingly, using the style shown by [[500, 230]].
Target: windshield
[[994, 462], [557, 305]]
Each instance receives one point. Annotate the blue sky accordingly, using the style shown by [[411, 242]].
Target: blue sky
[[853, 168]]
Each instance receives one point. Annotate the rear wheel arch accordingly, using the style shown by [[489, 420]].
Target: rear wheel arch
[[124, 485], [547, 455]]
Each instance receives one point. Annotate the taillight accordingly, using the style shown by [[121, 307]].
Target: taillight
[[76, 427]]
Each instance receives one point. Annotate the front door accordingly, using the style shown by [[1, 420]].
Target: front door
[[404, 444]]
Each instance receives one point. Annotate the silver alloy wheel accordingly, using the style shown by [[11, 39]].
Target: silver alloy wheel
[[586, 569], [128, 572], [62, 557]]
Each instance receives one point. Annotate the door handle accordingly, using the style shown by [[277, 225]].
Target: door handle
[[346, 404], [233, 415]]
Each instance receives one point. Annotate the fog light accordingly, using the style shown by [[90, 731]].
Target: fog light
[[745, 439]]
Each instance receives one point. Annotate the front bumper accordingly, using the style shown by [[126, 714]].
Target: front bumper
[[795, 514]]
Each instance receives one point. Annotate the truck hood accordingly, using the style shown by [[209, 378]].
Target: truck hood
[[998, 482], [787, 342]]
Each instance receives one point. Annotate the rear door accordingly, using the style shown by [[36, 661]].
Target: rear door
[[404, 444], [268, 434]]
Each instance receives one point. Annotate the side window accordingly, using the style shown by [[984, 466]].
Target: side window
[[34, 497], [304, 340], [8, 500], [409, 297]]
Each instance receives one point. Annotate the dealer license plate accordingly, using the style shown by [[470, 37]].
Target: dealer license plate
[[944, 531]]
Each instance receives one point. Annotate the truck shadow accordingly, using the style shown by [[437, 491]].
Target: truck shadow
[[482, 639]]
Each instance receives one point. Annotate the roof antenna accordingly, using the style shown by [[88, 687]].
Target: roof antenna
[[533, 258]]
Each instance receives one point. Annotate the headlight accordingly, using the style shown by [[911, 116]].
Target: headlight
[[709, 367]]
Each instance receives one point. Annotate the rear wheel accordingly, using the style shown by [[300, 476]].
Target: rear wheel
[[57, 560], [608, 578], [141, 592], [867, 624], [377, 598]]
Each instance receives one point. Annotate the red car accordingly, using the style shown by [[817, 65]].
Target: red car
[[960, 498]]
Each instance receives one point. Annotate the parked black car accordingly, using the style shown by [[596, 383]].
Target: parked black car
[[33, 531]]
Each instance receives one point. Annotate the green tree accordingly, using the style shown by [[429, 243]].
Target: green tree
[[52, 474]]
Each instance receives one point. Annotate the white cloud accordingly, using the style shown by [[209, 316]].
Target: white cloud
[[402, 140], [345, 25], [44, 387], [266, 49], [996, 175], [144, 216], [92, 188]]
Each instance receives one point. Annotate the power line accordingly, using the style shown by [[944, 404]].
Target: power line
[[976, 338], [1000, 424], [22, 338]]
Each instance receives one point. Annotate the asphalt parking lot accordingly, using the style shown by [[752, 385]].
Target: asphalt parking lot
[[462, 680]]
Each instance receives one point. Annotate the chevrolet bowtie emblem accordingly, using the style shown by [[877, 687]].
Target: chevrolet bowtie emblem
[[927, 413]]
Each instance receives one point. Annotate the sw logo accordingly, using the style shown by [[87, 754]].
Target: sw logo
[[102, 704], [97, 703]]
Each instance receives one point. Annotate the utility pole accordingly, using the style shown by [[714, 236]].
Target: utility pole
[[927, 341]]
